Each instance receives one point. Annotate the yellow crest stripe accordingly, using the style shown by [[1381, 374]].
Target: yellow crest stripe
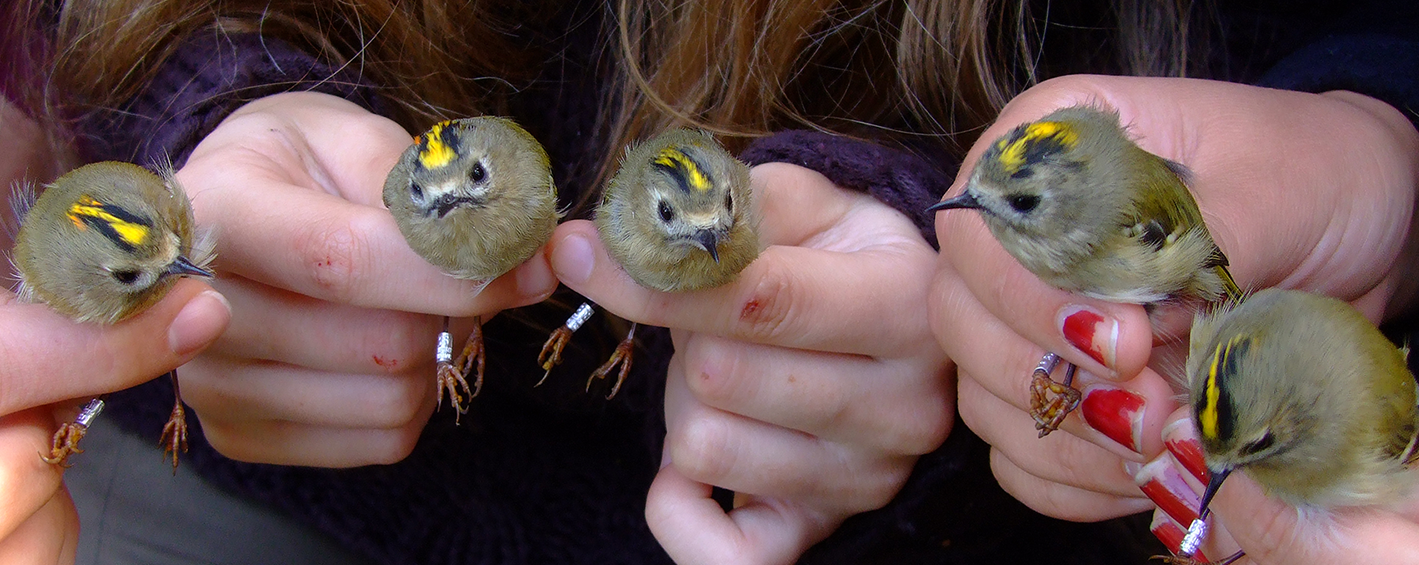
[[130, 230], [1210, 417], [436, 152], [1013, 153], [1207, 417], [676, 160]]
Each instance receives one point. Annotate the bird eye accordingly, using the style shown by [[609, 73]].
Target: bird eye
[[416, 191], [729, 203], [1023, 203], [478, 173], [1259, 445], [666, 214], [125, 276]]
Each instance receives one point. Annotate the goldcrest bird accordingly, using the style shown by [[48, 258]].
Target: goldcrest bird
[[100, 244], [475, 198], [1307, 397], [677, 216], [1087, 210]]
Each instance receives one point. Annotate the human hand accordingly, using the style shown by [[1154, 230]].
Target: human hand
[[1270, 531], [52, 365], [329, 359], [809, 386], [1299, 190]]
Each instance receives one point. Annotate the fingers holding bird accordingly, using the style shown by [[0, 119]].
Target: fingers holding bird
[[294, 214], [808, 385], [817, 286]]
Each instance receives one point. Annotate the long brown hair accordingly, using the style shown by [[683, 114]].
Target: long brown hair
[[878, 69]]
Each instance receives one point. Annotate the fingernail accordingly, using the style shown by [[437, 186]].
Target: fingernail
[[1181, 441], [1171, 534], [572, 259], [1114, 412], [535, 277], [1089, 331], [1164, 484], [199, 323]]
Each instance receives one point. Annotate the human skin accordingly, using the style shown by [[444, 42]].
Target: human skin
[[1307, 191], [808, 386], [53, 365], [815, 408]]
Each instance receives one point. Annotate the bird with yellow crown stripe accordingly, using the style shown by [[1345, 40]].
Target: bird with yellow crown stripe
[[100, 244], [474, 197], [1087, 210], [677, 216], [1307, 397]]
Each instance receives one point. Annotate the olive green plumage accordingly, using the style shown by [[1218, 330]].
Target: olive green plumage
[[105, 241], [474, 196], [1306, 396], [678, 214], [1082, 206]]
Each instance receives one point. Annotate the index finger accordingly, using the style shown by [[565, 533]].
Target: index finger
[[55, 358], [295, 214], [790, 296]]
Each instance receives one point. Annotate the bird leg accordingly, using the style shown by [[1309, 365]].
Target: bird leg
[[1192, 560], [1049, 412], [66, 439], [551, 354], [452, 373], [622, 356], [174, 436]]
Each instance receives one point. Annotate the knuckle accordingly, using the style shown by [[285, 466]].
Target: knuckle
[[394, 342], [923, 430], [335, 255], [388, 447], [713, 369], [700, 449], [886, 486], [397, 404], [769, 308]]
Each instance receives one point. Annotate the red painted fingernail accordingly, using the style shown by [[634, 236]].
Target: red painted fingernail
[[1115, 412], [1180, 440], [1171, 534], [1090, 332], [1164, 484]]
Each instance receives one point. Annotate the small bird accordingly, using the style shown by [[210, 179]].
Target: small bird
[[1083, 207], [1307, 397], [102, 243], [474, 197], [677, 216]]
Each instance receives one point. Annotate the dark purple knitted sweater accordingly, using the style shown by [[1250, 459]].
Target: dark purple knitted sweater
[[554, 475]]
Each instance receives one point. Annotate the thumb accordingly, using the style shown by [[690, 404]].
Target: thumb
[[49, 358]]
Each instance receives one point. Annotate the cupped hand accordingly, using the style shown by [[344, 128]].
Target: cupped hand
[[809, 386], [329, 359], [52, 365], [1309, 191]]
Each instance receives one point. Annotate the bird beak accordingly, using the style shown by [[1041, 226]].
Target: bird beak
[[447, 202], [965, 200], [182, 266], [709, 241], [1212, 485]]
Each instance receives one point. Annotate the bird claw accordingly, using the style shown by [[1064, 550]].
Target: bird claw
[[622, 357], [1051, 402], [551, 354], [174, 438], [452, 376], [65, 443]]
